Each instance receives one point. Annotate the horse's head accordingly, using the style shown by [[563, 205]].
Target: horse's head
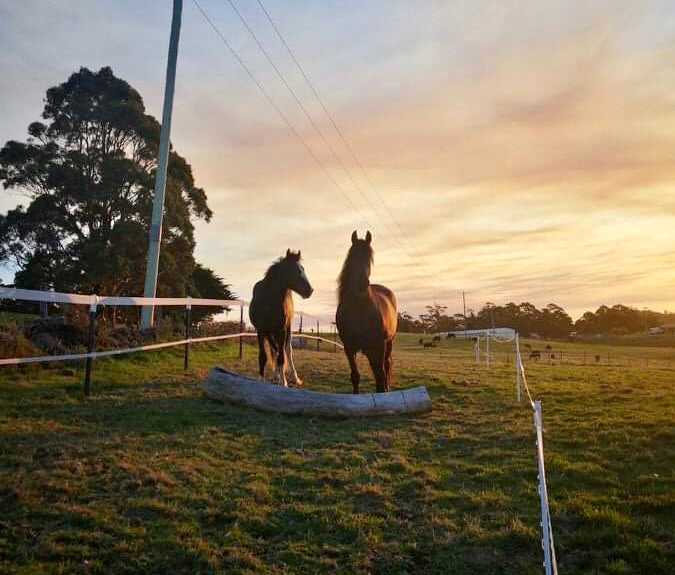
[[361, 252], [294, 274], [355, 274]]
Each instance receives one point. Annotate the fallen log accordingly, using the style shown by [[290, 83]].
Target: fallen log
[[238, 389]]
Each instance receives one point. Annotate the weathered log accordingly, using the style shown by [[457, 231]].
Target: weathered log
[[241, 390]]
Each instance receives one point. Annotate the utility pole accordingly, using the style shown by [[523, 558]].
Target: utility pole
[[155, 235]]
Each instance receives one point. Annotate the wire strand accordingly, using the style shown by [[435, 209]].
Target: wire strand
[[304, 110], [417, 260], [278, 110], [337, 129]]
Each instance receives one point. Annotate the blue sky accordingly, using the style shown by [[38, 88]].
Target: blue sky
[[526, 148]]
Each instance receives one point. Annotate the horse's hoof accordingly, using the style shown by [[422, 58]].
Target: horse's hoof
[[298, 382]]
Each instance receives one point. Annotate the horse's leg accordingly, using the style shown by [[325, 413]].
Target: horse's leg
[[295, 378], [281, 357], [355, 375], [376, 360], [388, 363], [274, 349], [262, 356]]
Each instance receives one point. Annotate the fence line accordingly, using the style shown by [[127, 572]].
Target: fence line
[[107, 353], [94, 301], [550, 562]]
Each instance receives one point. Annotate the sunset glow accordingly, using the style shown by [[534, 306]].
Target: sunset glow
[[527, 151]]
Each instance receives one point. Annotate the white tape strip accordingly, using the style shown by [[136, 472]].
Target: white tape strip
[[59, 297], [95, 354], [333, 342]]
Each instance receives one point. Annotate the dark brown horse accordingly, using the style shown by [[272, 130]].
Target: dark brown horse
[[366, 316], [271, 312]]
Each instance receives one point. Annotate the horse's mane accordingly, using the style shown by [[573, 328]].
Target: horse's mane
[[356, 268], [276, 264]]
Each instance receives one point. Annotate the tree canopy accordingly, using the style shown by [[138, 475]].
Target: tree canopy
[[88, 171]]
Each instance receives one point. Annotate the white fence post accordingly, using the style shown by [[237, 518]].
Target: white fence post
[[550, 566], [476, 348]]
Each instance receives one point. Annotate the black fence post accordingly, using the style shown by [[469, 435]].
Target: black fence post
[[188, 333], [91, 344], [300, 330], [318, 341], [335, 336], [241, 330]]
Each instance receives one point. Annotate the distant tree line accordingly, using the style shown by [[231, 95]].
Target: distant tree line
[[620, 320], [549, 322]]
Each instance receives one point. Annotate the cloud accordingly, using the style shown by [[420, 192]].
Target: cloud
[[528, 151]]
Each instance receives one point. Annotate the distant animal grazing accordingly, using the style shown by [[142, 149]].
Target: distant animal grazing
[[597, 359], [535, 354], [271, 312], [421, 341], [528, 346], [429, 344], [436, 338], [366, 316], [450, 336], [548, 346]]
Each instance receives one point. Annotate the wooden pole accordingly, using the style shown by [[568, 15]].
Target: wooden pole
[[91, 343], [318, 342], [487, 351], [241, 330], [518, 368], [188, 333]]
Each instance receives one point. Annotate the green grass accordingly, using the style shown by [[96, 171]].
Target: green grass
[[149, 476]]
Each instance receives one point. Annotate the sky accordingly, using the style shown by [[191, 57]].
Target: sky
[[516, 151]]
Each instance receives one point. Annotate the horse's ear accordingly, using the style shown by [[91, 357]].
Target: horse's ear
[[288, 253], [299, 254], [369, 238], [354, 237]]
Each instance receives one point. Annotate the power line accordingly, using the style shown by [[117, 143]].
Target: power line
[[293, 129], [302, 107], [276, 108], [337, 129]]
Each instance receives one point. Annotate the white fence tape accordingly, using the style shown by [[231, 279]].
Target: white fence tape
[[107, 300], [59, 297], [107, 353]]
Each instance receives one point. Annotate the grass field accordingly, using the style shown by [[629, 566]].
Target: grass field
[[148, 476]]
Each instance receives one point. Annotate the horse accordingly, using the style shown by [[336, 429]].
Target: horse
[[366, 316], [271, 312]]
